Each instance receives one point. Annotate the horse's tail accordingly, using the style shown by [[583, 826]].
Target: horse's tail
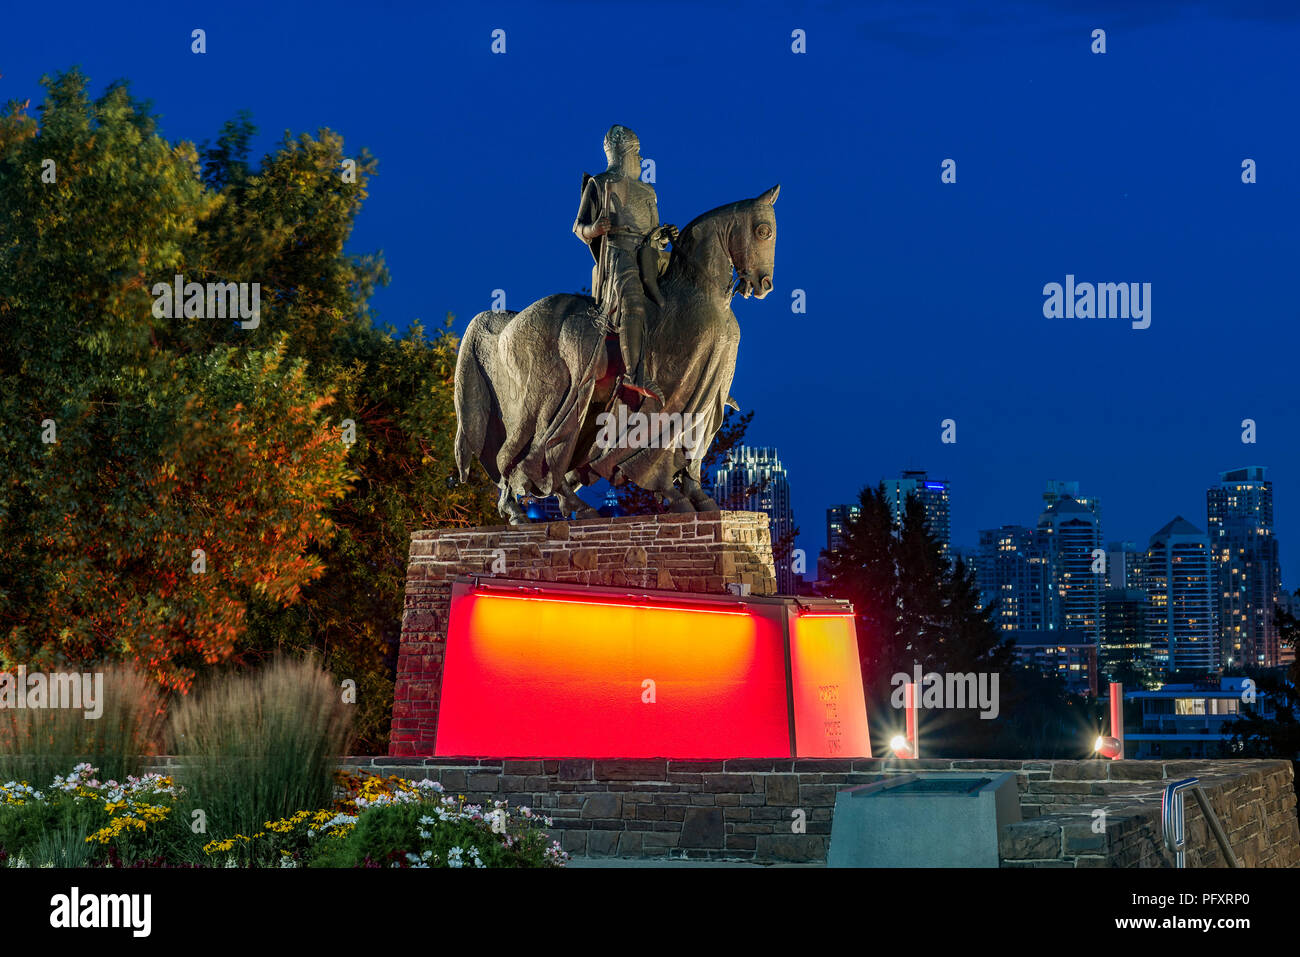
[[473, 400]]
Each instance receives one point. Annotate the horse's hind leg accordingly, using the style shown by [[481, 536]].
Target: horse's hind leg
[[675, 501], [694, 491], [510, 508], [570, 501]]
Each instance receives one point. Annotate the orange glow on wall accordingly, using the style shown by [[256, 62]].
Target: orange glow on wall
[[827, 687], [562, 671]]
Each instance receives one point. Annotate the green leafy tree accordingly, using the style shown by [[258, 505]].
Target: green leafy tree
[[296, 209], [184, 433], [400, 397], [150, 491]]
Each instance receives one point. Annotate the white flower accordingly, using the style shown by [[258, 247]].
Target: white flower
[[338, 819], [453, 857]]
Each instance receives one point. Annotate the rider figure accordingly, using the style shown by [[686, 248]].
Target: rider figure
[[618, 218]]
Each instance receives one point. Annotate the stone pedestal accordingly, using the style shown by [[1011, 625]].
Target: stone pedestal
[[700, 552]]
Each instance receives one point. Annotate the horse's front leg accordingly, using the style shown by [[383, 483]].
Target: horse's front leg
[[510, 509]]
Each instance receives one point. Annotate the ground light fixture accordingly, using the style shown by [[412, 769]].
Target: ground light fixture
[[1112, 745], [907, 746], [1109, 747], [901, 747]]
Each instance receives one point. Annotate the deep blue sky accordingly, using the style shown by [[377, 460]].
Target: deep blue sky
[[924, 299]]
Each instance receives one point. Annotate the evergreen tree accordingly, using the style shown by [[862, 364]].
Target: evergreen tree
[[862, 571], [922, 585], [914, 608]]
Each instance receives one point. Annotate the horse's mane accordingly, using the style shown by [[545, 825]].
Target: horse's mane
[[691, 234], [719, 211]]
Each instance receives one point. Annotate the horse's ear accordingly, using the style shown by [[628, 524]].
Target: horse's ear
[[770, 196]]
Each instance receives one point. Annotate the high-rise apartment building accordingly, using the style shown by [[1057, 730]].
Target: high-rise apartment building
[[1239, 517], [1057, 490], [1075, 529], [837, 516], [754, 479], [1179, 578], [934, 495], [1015, 571], [1124, 637], [1124, 561]]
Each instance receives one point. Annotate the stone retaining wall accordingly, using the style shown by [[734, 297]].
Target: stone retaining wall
[[746, 809]]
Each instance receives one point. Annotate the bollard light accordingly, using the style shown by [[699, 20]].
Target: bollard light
[[907, 745], [1108, 747], [901, 747], [1112, 745]]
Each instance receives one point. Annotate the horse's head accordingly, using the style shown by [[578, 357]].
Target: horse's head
[[739, 236], [751, 244]]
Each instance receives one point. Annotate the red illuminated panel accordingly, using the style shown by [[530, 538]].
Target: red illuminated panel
[[553, 675], [830, 712]]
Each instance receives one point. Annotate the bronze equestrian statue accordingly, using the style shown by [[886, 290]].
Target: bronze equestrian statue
[[536, 389]]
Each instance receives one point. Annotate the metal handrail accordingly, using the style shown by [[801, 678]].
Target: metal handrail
[[1172, 821]]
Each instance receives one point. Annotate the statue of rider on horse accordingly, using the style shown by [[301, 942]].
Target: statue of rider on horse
[[657, 338]]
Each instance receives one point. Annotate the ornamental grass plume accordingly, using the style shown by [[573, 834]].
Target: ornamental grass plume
[[38, 743], [257, 747]]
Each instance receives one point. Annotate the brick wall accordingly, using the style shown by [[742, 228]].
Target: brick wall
[[744, 809], [696, 552]]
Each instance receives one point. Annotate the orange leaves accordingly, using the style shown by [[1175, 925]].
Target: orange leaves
[[244, 467]]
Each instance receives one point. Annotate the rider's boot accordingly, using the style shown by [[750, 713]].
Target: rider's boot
[[629, 341]]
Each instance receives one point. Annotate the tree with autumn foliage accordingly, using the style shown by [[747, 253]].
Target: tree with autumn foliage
[[184, 492]]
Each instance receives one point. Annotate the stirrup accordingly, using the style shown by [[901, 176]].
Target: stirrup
[[650, 390]]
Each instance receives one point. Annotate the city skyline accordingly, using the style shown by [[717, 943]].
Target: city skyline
[[1187, 599], [965, 534], [924, 299]]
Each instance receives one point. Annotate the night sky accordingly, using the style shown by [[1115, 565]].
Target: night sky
[[925, 299]]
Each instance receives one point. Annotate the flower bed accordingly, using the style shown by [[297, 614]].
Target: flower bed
[[150, 821]]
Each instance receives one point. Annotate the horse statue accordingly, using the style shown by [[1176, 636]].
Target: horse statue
[[536, 390]]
